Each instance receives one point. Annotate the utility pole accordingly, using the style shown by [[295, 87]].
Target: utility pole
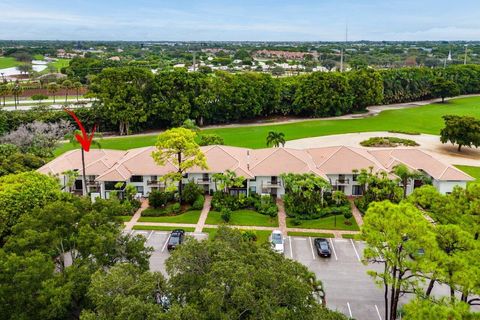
[[465, 58]]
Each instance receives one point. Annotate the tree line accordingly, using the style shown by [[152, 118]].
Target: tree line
[[133, 98]]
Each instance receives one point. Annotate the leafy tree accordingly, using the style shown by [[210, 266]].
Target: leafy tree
[[367, 88], [461, 130], [39, 138], [53, 89], [39, 97], [406, 175], [126, 292], [20, 193], [230, 277], [190, 125], [276, 139], [419, 309], [210, 139], [75, 142], [227, 180], [444, 88], [278, 71], [13, 161], [393, 233], [122, 96], [178, 147], [67, 85], [77, 85], [329, 64]]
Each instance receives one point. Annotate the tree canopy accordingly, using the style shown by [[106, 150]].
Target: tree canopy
[[461, 130]]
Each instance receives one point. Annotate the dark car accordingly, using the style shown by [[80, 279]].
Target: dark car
[[176, 239], [323, 247]]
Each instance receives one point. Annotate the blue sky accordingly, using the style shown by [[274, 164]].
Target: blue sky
[[273, 20]]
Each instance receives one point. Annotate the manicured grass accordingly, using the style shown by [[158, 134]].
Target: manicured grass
[[243, 218], [310, 234], [60, 63], [351, 236], [8, 62], [327, 223], [162, 228], [38, 57], [473, 171], [425, 119], [186, 217], [262, 235], [125, 218]]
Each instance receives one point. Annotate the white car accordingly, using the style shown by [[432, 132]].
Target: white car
[[276, 239]]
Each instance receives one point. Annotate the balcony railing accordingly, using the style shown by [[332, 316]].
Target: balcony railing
[[202, 181], [92, 183], [154, 183], [270, 184], [342, 181]]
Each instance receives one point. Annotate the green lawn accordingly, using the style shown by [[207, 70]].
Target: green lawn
[[243, 218], [163, 228], [473, 171], [8, 62], [327, 223], [262, 235], [351, 236], [310, 234], [187, 217], [125, 218], [38, 57], [426, 119], [60, 63]]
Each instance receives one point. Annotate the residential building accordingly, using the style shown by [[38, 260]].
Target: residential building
[[261, 168]]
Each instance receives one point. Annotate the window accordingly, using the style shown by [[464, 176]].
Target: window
[[136, 179], [356, 190]]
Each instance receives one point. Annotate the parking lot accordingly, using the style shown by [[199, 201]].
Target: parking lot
[[348, 287]]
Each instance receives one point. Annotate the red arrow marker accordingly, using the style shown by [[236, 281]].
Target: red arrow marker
[[84, 139]]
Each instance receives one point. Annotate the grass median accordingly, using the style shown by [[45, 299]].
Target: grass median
[[190, 217], [243, 218]]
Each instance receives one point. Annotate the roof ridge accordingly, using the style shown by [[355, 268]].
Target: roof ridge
[[329, 157]]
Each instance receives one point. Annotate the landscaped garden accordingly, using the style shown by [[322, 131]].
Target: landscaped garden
[[165, 206], [163, 228], [310, 234], [390, 142], [243, 217], [259, 236], [311, 204], [425, 119]]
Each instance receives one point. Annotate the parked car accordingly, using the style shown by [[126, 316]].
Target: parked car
[[175, 239], [323, 247], [276, 239]]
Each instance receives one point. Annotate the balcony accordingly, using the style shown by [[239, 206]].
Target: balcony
[[202, 181], [155, 183], [92, 183], [342, 181], [270, 184]]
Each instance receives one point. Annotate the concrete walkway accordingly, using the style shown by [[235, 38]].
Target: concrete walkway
[[356, 213], [129, 225], [282, 217], [200, 225], [204, 214]]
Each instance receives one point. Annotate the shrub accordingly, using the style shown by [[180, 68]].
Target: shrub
[[296, 221], [347, 215], [209, 139], [266, 206], [226, 214], [249, 235], [388, 142], [190, 192], [158, 199], [173, 209], [198, 203]]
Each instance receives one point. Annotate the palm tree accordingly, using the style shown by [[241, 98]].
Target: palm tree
[[77, 85], [276, 139], [16, 89], [75, 142], [67, 85], [405, 174], [53, 89], [4, 91]]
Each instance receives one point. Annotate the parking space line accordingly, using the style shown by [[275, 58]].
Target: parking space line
[[355, 249], [378, 313], [311, 247], [149, 235], [291, 250], [333, 248], [165, 245], [349, 310]]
